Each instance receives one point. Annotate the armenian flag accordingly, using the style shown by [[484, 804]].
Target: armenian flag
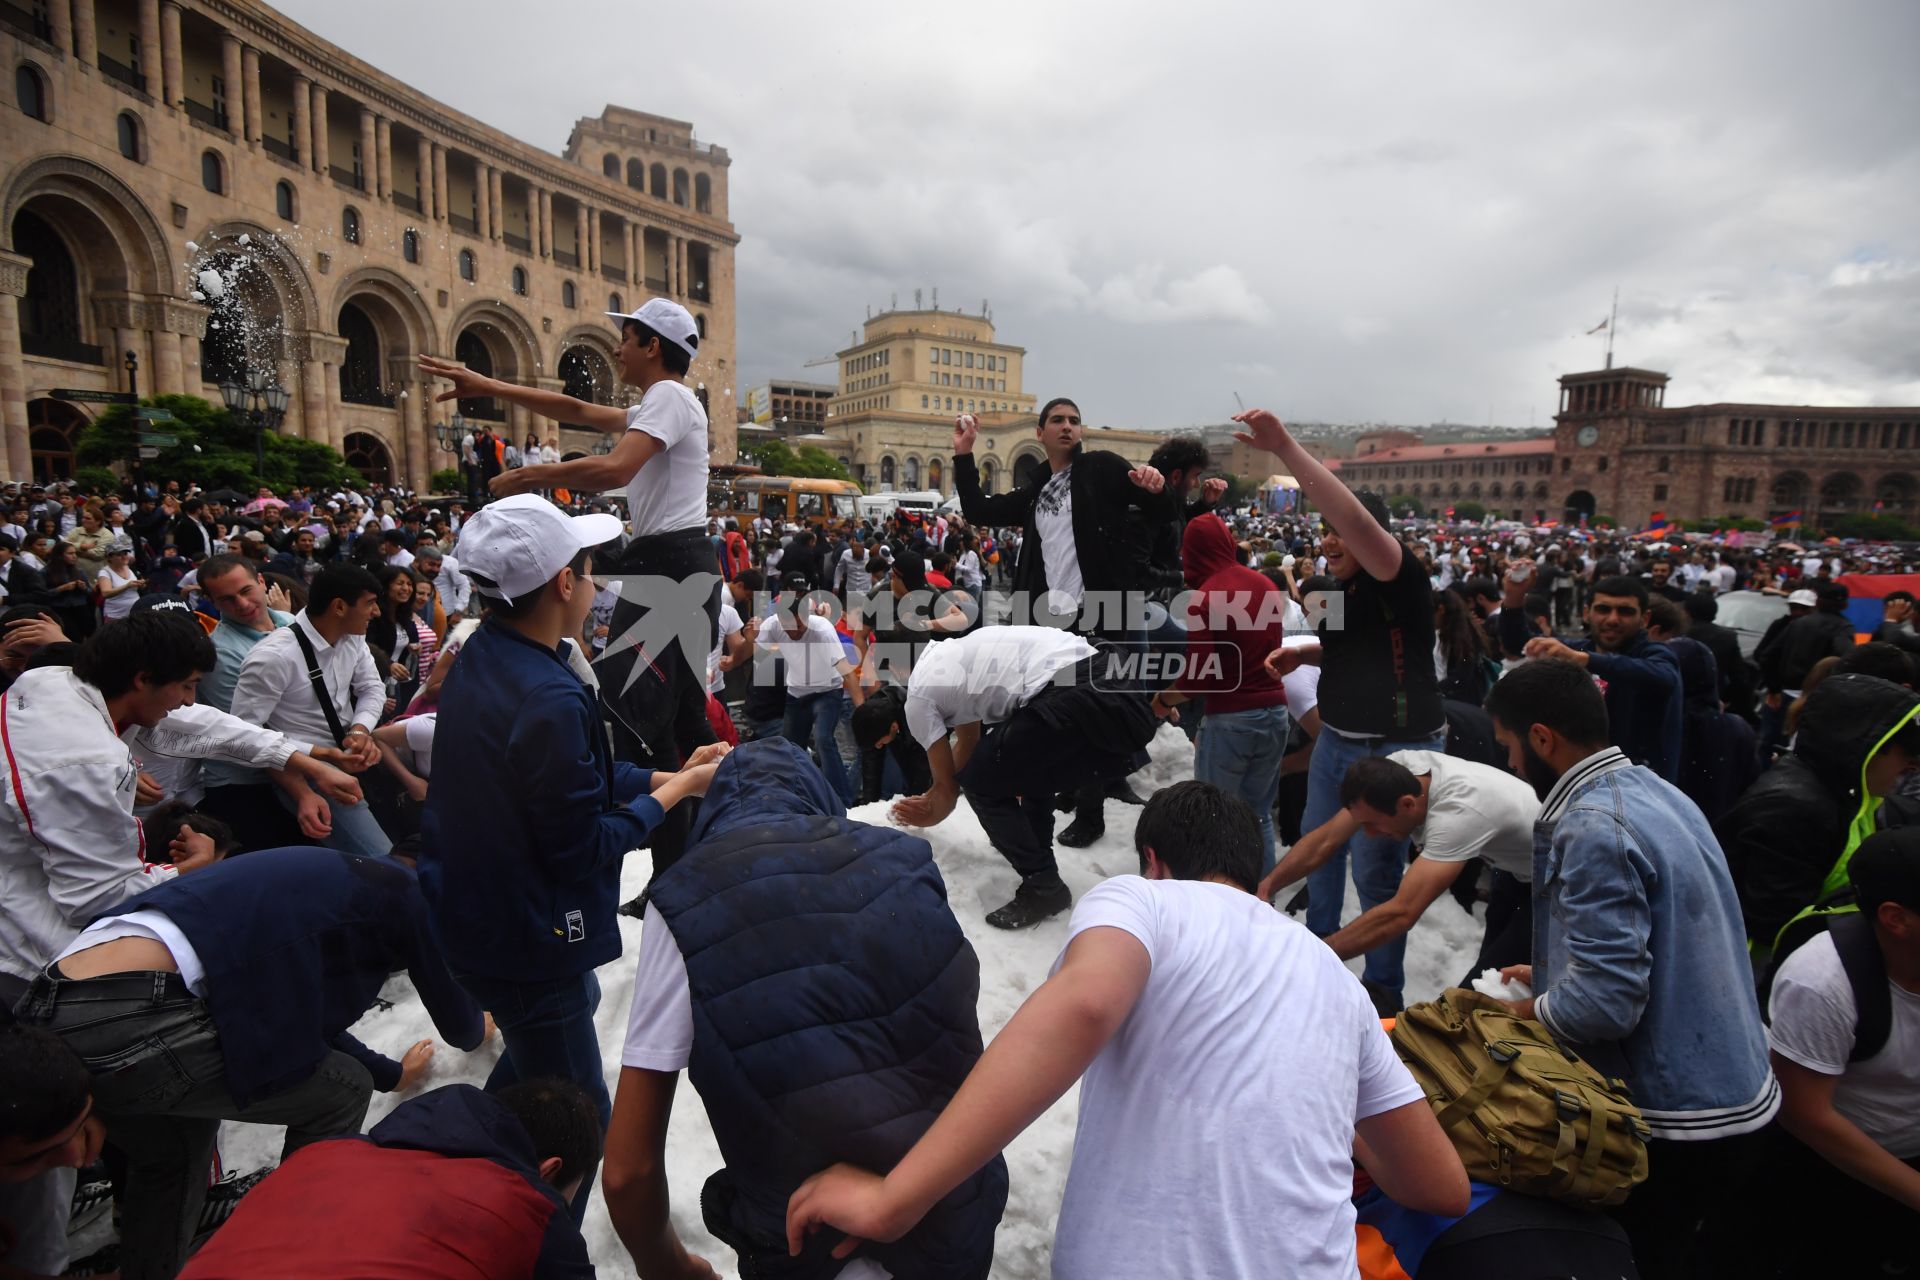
[[1867, 597], [1658, 526], [1785, 520]]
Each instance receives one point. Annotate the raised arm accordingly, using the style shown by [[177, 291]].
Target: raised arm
[[1376, 549], [978, 507], [468, 385]]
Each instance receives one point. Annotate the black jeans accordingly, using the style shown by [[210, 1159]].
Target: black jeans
[[159, 1082], [658, 700], [1509, 936], [1688, 1183]]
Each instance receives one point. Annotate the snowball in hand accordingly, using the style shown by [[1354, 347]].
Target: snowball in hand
[[1490, 983]]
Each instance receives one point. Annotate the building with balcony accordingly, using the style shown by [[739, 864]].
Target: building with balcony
[[357, 223]]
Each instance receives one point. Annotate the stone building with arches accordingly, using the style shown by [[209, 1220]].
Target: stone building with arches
[[1617, 449], [354, 225]]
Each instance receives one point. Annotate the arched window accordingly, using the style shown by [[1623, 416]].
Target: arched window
[[636, 175], [350, 226], [30, 90], [129, 130], [360, 381], [520, 281], [212, 172], [911, 473], [886, 473], [283, 202], [469, 266], [700, 326], [567, 296], [680, 185], [703, 193], [923, 402], [615, 305], [610, 165], [935, 473], [410, 245], [657, 181]]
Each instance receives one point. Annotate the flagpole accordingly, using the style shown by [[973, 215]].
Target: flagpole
[[1613, 325]]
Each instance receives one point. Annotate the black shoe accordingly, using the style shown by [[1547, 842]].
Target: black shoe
[[1064, 802], [223, 1197], [1385, 1003], [1032, 903], [1082, 831], [1300, 901], [637, 908], [1123, 792], [102, 1262]]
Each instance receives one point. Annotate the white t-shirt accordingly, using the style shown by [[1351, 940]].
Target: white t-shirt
[[150, 925], [1814, 1018], [985, 677], [1053, 521], [730, 624], [420, 741], [670, 492], [1474, 811], [1216, 1127], [1303, 682], [660, 1027], [121, 603], [813, 660]]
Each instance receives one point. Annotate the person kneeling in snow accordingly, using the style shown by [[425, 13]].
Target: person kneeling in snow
[[453, 1183], [807, 971]]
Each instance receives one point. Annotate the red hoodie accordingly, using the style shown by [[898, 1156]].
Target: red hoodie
[[1234, 621]]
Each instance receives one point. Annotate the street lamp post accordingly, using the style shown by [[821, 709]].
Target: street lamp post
[[264, 403], [449, 435]]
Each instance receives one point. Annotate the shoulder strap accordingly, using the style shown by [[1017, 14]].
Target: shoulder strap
[[1867, 974], [320, 686]]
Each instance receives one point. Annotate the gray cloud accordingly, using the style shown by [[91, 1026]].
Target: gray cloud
[[1390, 211]]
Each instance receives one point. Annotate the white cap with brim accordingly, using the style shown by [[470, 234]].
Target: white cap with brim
[[520, 544], [673, 322], [1804, 597]]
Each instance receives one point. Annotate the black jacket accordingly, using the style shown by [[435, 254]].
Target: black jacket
[[1111, 518], [1788, 830], [1736, 673], [195, 540], [1164, 538], [1802, 644], [26, 584]]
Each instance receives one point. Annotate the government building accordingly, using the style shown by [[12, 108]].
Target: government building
[[1619, 452], [350, 224], [910, 374]]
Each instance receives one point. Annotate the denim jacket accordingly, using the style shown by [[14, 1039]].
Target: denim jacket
[[1639, 953]]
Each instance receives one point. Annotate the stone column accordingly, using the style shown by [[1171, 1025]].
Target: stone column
[[165, 378], [580, 234], [60, 15], [369, 152], [313, 401], [18, 454], [303, 120], [546, 223], [496, 196], [439, 183], [413, 433], [483, 199], [230, 74], [423, 162], [680, 269], [536, 225], [172, 68], [593, 241], [322, 159], [150, 60], [383, 158], [84, 50], [250, 95], [636, 255]]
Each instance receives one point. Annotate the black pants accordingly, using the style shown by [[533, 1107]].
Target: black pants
[[657, 700], [1011, 777], [1796, 1215], [1509, 936], [1688, 1183]]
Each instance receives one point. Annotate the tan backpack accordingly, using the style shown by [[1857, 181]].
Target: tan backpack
[[1522, 1111]]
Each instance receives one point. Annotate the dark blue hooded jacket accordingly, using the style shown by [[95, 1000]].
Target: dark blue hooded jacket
[[447, 1186], [833, 1008]]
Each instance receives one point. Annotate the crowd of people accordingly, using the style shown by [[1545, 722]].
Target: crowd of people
[[262, 753]]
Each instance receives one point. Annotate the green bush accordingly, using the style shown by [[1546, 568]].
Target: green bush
[[1405, 502], [776, 458], [215, 449], [1873, 528], [445, 480], [97, 479], [1469, 511]]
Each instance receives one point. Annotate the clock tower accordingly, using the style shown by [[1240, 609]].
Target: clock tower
[[1601, 413]]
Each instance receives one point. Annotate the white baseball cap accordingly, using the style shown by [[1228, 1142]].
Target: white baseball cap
[[1804, 597], [668, 319], [520, 544]]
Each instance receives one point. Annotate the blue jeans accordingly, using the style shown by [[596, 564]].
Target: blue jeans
[[817, 715], [547, 1028], [1239, 752], [355, 829], [1378, 861]]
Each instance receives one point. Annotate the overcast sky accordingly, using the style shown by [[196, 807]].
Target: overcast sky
[[1347, 212]]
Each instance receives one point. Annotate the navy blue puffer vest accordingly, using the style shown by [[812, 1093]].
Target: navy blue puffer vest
[[834, 1001]]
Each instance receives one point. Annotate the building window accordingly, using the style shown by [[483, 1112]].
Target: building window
[[1660, 464], [657, 181], [409, 244], [520, 281], [350, 225], [567, 296], [129, 129], [469, 266], [1659, 493], [283, 201], [610, 166], [946, 355], [1602, 465], [212, 172], [700, 326], [923, 403]]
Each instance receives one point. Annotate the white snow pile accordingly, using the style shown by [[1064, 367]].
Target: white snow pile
[[1439, 952], [211, 284]]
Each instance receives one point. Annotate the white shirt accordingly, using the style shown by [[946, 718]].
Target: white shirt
[[985, 677], [1814, 1018], [401, 558], [813, 660], [670, 492], [1474, 811], [1226, 1102], [419, 731], [452, 585], [119, 604], [146, 924], [1722, 576], [1053, 521], [273, 688], [730, 625]]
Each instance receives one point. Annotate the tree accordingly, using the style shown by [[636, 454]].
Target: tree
[[776, 458], [215, 449], [1408, 502], [445, 480], [1871, 528], [1469, 511]]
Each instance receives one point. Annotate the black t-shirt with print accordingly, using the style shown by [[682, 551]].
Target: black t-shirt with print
[[1376, 666]]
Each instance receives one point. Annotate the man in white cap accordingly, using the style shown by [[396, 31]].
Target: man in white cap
[[520, 857], [657, 696]]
